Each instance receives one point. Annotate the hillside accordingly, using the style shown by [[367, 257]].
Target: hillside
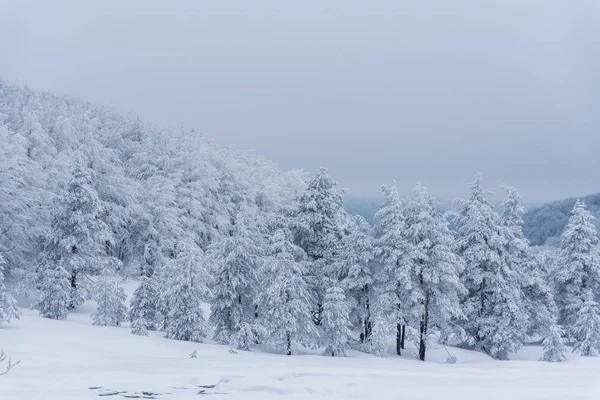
[[545, 224], [157, 185]]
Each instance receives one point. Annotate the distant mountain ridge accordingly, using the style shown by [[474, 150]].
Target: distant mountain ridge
[[545, 224]]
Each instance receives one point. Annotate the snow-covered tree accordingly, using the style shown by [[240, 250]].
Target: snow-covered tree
[[538, 298], [236, 263], [554, 346], [318, 231], [578, 271], [496, 320], [336, 333], [285, 303], [53, 294], [110, 297], [189, 288], [434, 288], [393, 253], [377, 342], [138, 327], [354, 269], [144, 303], [586, 329], [8, 304]]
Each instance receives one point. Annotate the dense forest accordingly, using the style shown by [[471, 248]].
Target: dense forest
[[89, 197]]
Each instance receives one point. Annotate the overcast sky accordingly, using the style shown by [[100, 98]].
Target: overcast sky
[[429, 91]]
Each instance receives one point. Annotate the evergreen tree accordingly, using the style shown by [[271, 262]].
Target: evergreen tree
[[496, 321], [236, 261], [355, 272], [393, 252], [285, 304], [138, 327], [144, 303], [53, 295], [318, 231], [336, 333], [586, 330], [434, 288], [110, 297], [189, 288], [554, 347], [8, 304], [579, 266], [377, 343], [537, 296]]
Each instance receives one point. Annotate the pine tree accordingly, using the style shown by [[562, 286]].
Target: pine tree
[[586, 329], [8, 304], [355, 272], [579, 266], [496, 321], [318, 231], [392, 251], [336, 333], [235, 286], [554, 347], [537, 296], [285, 304], [434, 288], [144, 303], [110, 297], [53, 295], [138, 327], [377, 343], [189, 289]]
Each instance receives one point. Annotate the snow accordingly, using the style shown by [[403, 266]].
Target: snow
[[62, 360]]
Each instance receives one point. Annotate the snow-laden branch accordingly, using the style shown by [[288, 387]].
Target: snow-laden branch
[[10, 364]]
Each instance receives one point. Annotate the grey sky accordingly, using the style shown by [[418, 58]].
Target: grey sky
[[429, 91]]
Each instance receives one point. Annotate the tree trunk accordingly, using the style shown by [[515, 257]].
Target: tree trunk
[[399, 339], [423, 330], [288, 339], [403, 336], [368, 325]]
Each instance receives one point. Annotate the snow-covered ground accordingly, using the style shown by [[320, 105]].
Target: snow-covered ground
[[74, 360]]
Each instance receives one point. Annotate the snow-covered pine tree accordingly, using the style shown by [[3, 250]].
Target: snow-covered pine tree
[[496, 321], [236, 263], [189, 288], [54, 288], [144, 303], [8, 304], [336, 333], [434, 288], [586, 329], [537, 296], [354, 269], [78, 234], [578, 271], [554, 346], [110, 297], [138, 327], [285, 304], [318, 231], [392, 251], [377, 343]]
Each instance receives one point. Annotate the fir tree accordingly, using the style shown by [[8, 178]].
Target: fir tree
[[110, 297], [335, 328], [377, 343], [434, 288], [579, 266], [496, 321], [586, 329], [554, 347], [285, 304], [189, 289], [53, 295], [235, 286], [144, 303], [8, 304], [138, 327]]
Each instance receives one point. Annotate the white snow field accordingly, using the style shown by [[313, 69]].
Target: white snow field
[[73, 359]]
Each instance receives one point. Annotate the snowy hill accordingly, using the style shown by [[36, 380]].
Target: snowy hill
[[62, 360]]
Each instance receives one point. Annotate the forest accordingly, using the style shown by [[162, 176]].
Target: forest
[[90, 197]]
